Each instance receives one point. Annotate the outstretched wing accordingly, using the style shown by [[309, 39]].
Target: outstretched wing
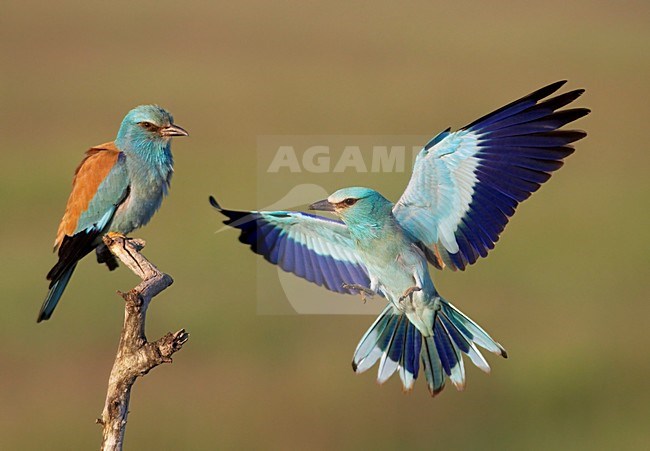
[[317, 249], [100, 185], [466, 184]]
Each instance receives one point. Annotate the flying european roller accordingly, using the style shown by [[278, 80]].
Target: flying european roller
[[117, 188], [465, 186]]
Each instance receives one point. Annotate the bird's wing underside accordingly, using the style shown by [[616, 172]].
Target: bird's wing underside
[[466, 184], [312, 247]]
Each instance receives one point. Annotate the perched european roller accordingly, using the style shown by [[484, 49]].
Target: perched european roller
[[465, 185], [117, 188]]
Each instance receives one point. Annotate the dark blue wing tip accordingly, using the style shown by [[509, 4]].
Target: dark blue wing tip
[[555, 86], [237, 219], [546, 90], [215, 204], [436, 139], [522, 103]]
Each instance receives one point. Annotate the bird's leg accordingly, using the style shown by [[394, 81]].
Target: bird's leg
[[409, 293], [363, 291], [105, 256]]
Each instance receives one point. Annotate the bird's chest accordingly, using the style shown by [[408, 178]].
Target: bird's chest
[[393, 263], [147, 188]]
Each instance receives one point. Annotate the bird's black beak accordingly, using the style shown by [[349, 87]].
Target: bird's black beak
[[322, 205], [173, 130]]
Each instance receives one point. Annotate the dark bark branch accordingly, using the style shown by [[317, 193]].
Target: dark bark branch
[[135, 355]]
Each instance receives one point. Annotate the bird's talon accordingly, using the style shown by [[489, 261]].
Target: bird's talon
[[409, 293], [363, 291]]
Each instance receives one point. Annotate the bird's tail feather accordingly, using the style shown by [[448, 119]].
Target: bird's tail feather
[[399, 346], [395, 340], [56, 290]]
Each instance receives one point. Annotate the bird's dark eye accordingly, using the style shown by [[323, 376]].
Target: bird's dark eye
[[349, 202], [148, 125]]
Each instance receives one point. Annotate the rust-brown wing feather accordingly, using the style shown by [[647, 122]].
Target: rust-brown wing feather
[[94, 168]]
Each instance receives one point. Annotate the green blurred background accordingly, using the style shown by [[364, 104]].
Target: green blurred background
[[565, 291]]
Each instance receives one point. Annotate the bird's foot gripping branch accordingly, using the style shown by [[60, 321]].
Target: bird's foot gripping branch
[[135, 355]]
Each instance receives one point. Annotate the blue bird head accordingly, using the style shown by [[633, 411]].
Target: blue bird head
[[358, 207], [147, 127]]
